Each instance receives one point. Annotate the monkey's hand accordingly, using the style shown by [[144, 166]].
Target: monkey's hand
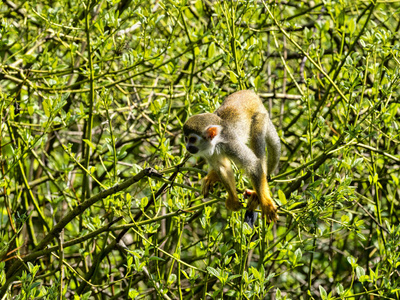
[[267, 205], [209, 182]]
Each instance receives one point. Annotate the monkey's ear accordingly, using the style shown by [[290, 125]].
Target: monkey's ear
[[212, 131]]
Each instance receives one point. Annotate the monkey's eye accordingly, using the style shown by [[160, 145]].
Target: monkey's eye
[[192, 140], [186, 139]]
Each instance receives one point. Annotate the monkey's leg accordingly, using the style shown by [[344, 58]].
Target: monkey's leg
[[259, 130], [209, 182], [256, 168], [222, 166], [262, 195]]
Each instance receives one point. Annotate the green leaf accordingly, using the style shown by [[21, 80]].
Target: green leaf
[[156, 258], [230, 252], [133, 293], [345, 219], [196, 51], [211, 50], [171, 279], [360, 271], [361, 236], [282, 197], [257, 82], [46, 107], [90, 144], [278, 295], [199, 6], [255, 272], [86, 296], [352, 261], [30, 110], [233, 77], [214, 272], [323, 293], [339, 289], [234, 276], [298, 254]]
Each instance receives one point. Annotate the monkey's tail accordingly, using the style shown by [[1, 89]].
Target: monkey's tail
[[273, 147]]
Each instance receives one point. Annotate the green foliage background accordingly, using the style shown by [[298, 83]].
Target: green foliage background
[[94, 92]]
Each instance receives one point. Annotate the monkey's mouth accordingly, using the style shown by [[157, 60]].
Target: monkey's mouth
[[193, 149]]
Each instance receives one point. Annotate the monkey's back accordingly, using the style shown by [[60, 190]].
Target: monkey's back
[[238, 109]]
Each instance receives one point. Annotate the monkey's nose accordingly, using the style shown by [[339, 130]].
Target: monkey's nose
[[192, 149]]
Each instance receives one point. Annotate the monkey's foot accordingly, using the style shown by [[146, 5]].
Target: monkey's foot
[[252, 201], [208, 183], [233, 204], [268, 207], [269, 211]]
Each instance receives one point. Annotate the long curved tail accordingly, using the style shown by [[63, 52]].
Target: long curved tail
[[273, 147]]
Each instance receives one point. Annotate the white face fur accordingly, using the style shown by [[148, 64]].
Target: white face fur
[[205, 147], [193, 142]]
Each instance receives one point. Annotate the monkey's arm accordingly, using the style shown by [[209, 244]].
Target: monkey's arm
[[209, 182], [221, 166]]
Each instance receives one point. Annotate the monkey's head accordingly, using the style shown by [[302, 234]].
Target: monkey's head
[[202, 133]]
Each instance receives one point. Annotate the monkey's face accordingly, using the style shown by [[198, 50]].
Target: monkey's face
[[202, 134], [203, 144], [193, 143]]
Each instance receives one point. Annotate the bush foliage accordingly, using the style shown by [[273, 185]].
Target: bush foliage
[[98, 197]]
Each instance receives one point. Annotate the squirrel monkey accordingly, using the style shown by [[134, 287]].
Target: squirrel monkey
[[239, 130]]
